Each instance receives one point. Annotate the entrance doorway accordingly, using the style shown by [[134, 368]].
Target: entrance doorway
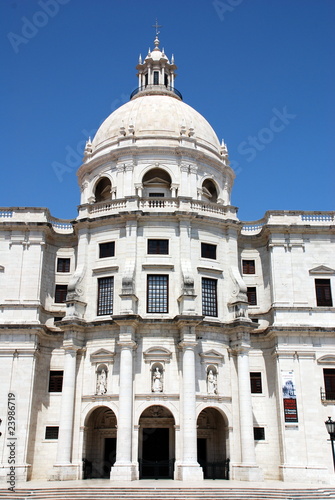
[[211, 444], [100, 443], [156, 445]]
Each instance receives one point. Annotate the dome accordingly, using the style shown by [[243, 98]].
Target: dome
[[157, 116]]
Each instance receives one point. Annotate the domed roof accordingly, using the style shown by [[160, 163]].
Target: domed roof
[[157, 116]]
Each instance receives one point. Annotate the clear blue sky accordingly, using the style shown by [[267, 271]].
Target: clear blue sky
[[260, 71]]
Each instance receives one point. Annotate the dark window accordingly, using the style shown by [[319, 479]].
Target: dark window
[[209, 297], [254, 320], [157, 293], [329, 377], [156, 195], [251, 294], [323, 293], [156, 77], [158, 247], [105, 295], [63, 265], [51, 432], [56, 381], [106, 249], [256, 382], [208, 251], [248, 266], [259, 434], [60, 294]]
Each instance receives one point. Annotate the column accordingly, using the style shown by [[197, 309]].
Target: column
[[63, 468], [247, 470], [124, 469], [189, 469]]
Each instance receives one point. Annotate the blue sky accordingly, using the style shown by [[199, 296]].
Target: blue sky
[[260, 71]]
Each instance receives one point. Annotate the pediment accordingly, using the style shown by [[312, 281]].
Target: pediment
[[157, 353], [211, 356], [322, 270], [156, 180], [102, 356], [327, 360]]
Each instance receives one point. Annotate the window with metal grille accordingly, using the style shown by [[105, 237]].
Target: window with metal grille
[[63, 265], [157, 293], [208, 251], [51, 432], [158, 247], [256, 382], [105, 295], [259, 433], [248, 266], [252, 296], [60, 293], [56, 381], [106, 249], [323, 292], [329, 378], [156, 77], [209, 297]]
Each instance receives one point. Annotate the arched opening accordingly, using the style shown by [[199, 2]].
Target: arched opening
[[103, 190], [156, 443], [209, 192], [211, 444], [100, 443], [156, 184]]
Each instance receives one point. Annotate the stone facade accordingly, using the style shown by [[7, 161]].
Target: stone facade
[[157, 327]]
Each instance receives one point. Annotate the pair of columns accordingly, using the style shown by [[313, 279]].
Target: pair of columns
[[188, 468]]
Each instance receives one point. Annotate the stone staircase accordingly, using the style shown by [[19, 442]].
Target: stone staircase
[[176, 493]]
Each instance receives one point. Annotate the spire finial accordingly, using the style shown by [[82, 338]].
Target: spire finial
[[156, 26]]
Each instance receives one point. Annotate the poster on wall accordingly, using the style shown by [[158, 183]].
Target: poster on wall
[[289, 396]]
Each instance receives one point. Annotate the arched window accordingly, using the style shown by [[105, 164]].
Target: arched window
[[103, 190], [156, 183], [209, 191]]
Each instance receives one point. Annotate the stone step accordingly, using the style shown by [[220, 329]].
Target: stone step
[[120, 493]]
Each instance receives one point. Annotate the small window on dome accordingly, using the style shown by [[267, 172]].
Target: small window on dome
[[156, 77], [209, 191], [103, 190]]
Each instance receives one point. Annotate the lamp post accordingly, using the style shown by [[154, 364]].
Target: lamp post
[[330, 425]]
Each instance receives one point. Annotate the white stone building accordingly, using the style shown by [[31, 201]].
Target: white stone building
[[157, 335]]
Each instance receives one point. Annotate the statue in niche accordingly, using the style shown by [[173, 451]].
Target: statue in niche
[[102, 382], [211, 382], [157, 383]]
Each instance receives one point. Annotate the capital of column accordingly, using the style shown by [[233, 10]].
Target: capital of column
[[187, 344], [127, 344], [240, 343]]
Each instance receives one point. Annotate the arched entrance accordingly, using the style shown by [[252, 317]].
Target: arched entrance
[[156, 443], [100, 443], [212, 437]]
